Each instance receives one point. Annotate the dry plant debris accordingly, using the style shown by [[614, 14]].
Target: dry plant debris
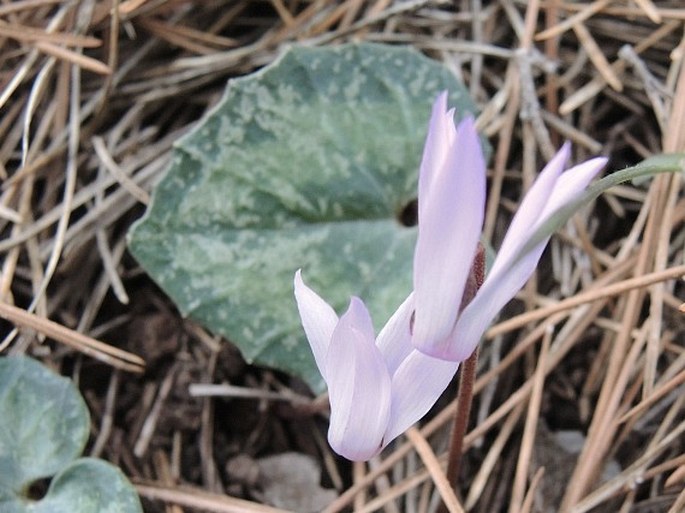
[[92, 96]]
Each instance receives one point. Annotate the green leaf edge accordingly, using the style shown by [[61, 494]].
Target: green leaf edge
[[108, 476]]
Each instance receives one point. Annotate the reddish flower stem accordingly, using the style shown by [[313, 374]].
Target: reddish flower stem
[[467, 379]]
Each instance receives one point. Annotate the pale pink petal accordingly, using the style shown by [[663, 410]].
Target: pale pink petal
[[437, 143], [528, 213], [450, 223], [318, 320], [394, 340], [358, 387], [571, 185], [500, 288], [416, 386], [497, 291]]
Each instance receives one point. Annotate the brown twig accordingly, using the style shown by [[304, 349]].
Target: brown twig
[[105, 353]]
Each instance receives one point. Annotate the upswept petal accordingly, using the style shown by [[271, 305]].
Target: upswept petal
[[492, 296], [498, 289], [529, 211], [358, 386], [438, 140], [416, 386], [394, 340], [571, 185], [450, 223], [318, 320]]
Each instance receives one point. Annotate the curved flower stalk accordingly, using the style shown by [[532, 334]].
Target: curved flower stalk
[[377, 387], [451, 209]]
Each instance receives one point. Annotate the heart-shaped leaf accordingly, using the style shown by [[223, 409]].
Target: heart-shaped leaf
[[44, 422], [89, 485], [44, 427], [309, 163]]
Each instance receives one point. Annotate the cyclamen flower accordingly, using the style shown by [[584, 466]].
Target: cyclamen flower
[[451, 209], [377, 387]]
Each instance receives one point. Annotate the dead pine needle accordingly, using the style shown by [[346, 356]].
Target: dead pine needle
[[100, 351]]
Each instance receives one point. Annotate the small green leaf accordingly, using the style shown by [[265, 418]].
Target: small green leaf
[[44, 422], [307, 164], [44, 427], [89, 485]]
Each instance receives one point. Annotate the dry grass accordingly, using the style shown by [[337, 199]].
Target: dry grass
[[92, 95]]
